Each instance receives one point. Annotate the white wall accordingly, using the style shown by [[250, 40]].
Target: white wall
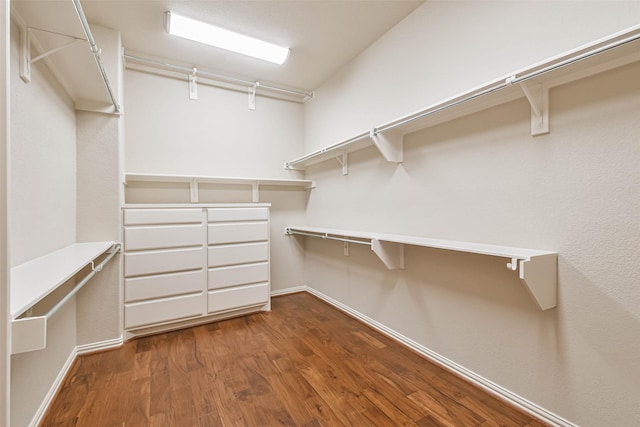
[[484, 178], [42, 214]]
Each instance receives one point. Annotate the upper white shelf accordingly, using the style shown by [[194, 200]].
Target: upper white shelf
[[34, 280], [532, 83], [194, 180], [537, 268]]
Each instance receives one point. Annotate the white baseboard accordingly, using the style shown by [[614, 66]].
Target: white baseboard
[[64, 371], [287, 291], [487, 385]]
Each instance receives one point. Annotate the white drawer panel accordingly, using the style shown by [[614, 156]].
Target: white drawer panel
[[223, 277], [161, 216], [163, 310], [238, 254], [165, 285], [242, 296], [232, 232], [170, 236], [237, 214], [164, 261]]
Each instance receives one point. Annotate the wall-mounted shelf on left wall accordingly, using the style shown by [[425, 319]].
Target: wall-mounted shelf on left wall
[[195, 180]]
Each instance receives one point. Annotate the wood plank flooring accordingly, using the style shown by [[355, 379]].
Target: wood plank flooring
[[303, 364]]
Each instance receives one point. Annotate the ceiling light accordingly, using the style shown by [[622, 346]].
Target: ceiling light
[[214, 36]]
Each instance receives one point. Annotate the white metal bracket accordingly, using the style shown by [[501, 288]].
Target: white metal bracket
[[25, 52], [390, 253], [344, 162], [389, 143], [255, 192], [193, 190], [539, 277], [252, 97], [538, 97], [193, 84]]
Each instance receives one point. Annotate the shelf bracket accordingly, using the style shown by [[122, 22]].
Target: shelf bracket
[[28, 334], [540, 276], [25, 52], [193, 190], [255, 192], [343, 159], [538, 97], [193, 85], [390, 144], [252, 97], [390, 253]]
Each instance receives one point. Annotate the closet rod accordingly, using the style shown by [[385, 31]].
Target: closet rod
[[330, 237], [215, 76], [96, 53], [510, 81], [75, 290], [332, 147]]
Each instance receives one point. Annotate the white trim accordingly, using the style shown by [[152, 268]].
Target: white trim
[[287, 291], [62, 375], [485, 384]]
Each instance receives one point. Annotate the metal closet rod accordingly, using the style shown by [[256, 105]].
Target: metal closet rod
[[96, 53], [512, 81], [75, 290], [327, 236], [215, 76]]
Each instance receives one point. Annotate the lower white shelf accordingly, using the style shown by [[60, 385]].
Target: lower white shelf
[[32, 281], [536, 268]]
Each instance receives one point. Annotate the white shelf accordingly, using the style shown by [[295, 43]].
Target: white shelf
[[536, 268], [532, 83], [34, 280], [194, 180]]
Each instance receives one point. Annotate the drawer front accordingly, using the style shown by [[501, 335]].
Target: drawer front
[[238, 254], [170, 236], [233, 298], [162, 216], [224, 277], [164, 310], [238, 232], [237, 214], [165, 285], [164, 261]]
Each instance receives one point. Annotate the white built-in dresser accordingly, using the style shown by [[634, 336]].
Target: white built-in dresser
[[188, 264]]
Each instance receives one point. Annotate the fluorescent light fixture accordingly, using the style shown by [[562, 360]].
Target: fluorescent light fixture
[[214, 36]]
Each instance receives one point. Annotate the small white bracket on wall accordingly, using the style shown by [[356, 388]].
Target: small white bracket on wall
[[25, 52], [193, 84], [538, 97], [539, 275], [390, 253], [389, 143], [255, 192], [252, 97], [344, 162], [193, 190]]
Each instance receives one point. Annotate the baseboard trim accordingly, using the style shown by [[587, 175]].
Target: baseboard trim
[[487, 385], [62, 375], [287, 291]]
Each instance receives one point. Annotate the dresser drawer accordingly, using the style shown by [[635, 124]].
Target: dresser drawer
[[163, 310], [237, 214], [233, 298], [238, 232], [242, 253], [162, 216], [167, 236], [223, 277], [162, 261], [164, 285]]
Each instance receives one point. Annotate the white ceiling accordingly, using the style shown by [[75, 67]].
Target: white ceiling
[[323, 35]]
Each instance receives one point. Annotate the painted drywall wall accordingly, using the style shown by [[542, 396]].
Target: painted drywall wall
[[42, 210], [98, 201], [217, 135], [5, 333], [484, 178]]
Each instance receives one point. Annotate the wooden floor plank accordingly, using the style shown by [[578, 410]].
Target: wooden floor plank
[[302, 364]]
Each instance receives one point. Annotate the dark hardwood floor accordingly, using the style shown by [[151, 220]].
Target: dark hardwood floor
[[303, 364]]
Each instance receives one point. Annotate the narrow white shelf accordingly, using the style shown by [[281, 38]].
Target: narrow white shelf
[[194, 180], [536, 268], [34, 280], [532, 83]]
